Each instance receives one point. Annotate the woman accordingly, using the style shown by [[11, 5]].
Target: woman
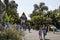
[[40, 32]]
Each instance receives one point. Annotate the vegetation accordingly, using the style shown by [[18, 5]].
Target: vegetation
[[11, 34], [9, 11], [40, 15], [9, 14]]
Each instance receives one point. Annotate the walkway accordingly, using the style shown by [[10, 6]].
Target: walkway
[[34, 35]]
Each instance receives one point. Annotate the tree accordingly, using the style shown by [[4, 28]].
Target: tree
[[41, 7], [11, 9], [38, 16], [56, 15], [37, 21], [7, 18], [38, 9], [6, 4]]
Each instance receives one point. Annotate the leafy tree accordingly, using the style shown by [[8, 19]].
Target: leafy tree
[[38, 16], [39, 9], [6, 4], [37, 21], [56, 15], [10, 9], [13, 10], [5, 17]]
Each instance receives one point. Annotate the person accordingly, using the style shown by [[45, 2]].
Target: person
[[7, 25], [43, 32], [24, 26], [40, 32], [18, 27], [29, 28], [33, 27]]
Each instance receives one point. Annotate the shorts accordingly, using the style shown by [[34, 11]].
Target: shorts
[[39, 32]]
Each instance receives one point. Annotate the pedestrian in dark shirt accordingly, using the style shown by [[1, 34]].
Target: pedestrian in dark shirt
[[43, 32], [29, 28]]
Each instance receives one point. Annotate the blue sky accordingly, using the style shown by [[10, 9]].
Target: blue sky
[[27, 5]]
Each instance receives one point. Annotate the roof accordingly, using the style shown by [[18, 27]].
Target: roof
[[23, 15], [28, 18]]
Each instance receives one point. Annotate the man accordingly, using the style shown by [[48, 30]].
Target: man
[[43, 32], [29, 28]]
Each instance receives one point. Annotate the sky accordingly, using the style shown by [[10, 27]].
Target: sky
[[27, 5]]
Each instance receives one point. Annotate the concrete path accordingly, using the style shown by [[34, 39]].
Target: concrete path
[[34, 35]]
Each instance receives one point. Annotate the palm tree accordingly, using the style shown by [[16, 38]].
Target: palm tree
[[13, 4], [40, 7]]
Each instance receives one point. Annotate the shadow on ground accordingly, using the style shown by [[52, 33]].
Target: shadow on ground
[[47, 39]]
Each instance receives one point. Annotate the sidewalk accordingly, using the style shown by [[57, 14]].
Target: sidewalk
[[34, 35]]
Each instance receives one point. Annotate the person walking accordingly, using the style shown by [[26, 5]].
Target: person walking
[[43, 32], [18, 27], [40, 32], [29, 28]]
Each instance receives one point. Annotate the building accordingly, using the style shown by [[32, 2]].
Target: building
[[23, 18]]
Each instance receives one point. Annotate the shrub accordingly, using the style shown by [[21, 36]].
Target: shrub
[[10, 34]]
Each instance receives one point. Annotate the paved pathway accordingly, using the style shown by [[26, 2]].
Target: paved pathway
[[34, 35]]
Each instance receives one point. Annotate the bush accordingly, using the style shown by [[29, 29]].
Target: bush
[[10, 34]]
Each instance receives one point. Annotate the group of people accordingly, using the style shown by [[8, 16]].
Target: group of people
[[42, 32], [42, 29], [22, 26]]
